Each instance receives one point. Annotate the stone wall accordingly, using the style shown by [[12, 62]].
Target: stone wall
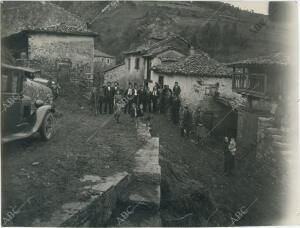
[[104, 61], [197, 91], [119, 74], [133, 74], [263, 150], [48, 52]]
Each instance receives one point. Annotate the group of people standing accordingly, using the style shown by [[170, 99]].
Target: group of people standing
[[136, 100]]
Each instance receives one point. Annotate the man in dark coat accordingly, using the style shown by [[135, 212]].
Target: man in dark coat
[[142, 97], [148, 99], [154, 98], [101, 93], [175, 109], [129, 98], [116, 87], [187, 121], [109, 98], [176, 89]]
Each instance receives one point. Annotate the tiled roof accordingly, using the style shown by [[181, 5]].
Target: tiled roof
[[40, 16], [147, 47], [199, 64], [275, 59], [102, 54], [61, 28]]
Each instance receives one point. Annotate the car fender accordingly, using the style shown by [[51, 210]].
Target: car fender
[[40, 114]]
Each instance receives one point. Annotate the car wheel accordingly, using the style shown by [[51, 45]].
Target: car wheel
[[47, 128]]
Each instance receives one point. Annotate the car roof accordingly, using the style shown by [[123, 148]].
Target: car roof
[[25, 69]]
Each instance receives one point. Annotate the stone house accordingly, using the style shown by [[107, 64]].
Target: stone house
[[264, 81], [102, 62], [103, 59], [118, 74], [139, 61], [60, 45], [202, 80]]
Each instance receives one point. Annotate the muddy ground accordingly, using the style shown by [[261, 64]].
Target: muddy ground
[[38, 177], [195, 192]]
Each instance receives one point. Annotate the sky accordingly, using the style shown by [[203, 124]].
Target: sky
[[257, 7]]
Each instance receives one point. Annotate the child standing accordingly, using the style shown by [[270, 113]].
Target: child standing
[[117, 105]]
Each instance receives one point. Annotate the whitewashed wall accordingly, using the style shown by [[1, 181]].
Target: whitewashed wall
[[192, 92]]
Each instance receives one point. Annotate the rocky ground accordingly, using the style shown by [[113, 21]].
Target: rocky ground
[[38, 177]]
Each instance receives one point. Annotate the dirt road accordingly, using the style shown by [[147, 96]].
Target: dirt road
[[38, 177]]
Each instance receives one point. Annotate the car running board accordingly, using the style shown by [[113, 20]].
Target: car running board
[[16, 136]]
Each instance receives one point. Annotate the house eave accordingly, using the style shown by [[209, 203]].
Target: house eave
[[88, 34], [193, 74]]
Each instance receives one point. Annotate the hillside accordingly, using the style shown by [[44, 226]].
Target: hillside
[[215, 27]]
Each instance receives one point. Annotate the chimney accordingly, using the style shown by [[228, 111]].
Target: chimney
[[191, 51]]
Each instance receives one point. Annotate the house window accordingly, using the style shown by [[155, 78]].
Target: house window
[[129, 64], [107, 60], [137, 63], [161, 80]]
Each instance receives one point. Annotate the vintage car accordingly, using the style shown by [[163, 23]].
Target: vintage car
[[26, 105]]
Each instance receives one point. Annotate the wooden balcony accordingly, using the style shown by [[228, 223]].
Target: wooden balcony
[[250, 84]]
